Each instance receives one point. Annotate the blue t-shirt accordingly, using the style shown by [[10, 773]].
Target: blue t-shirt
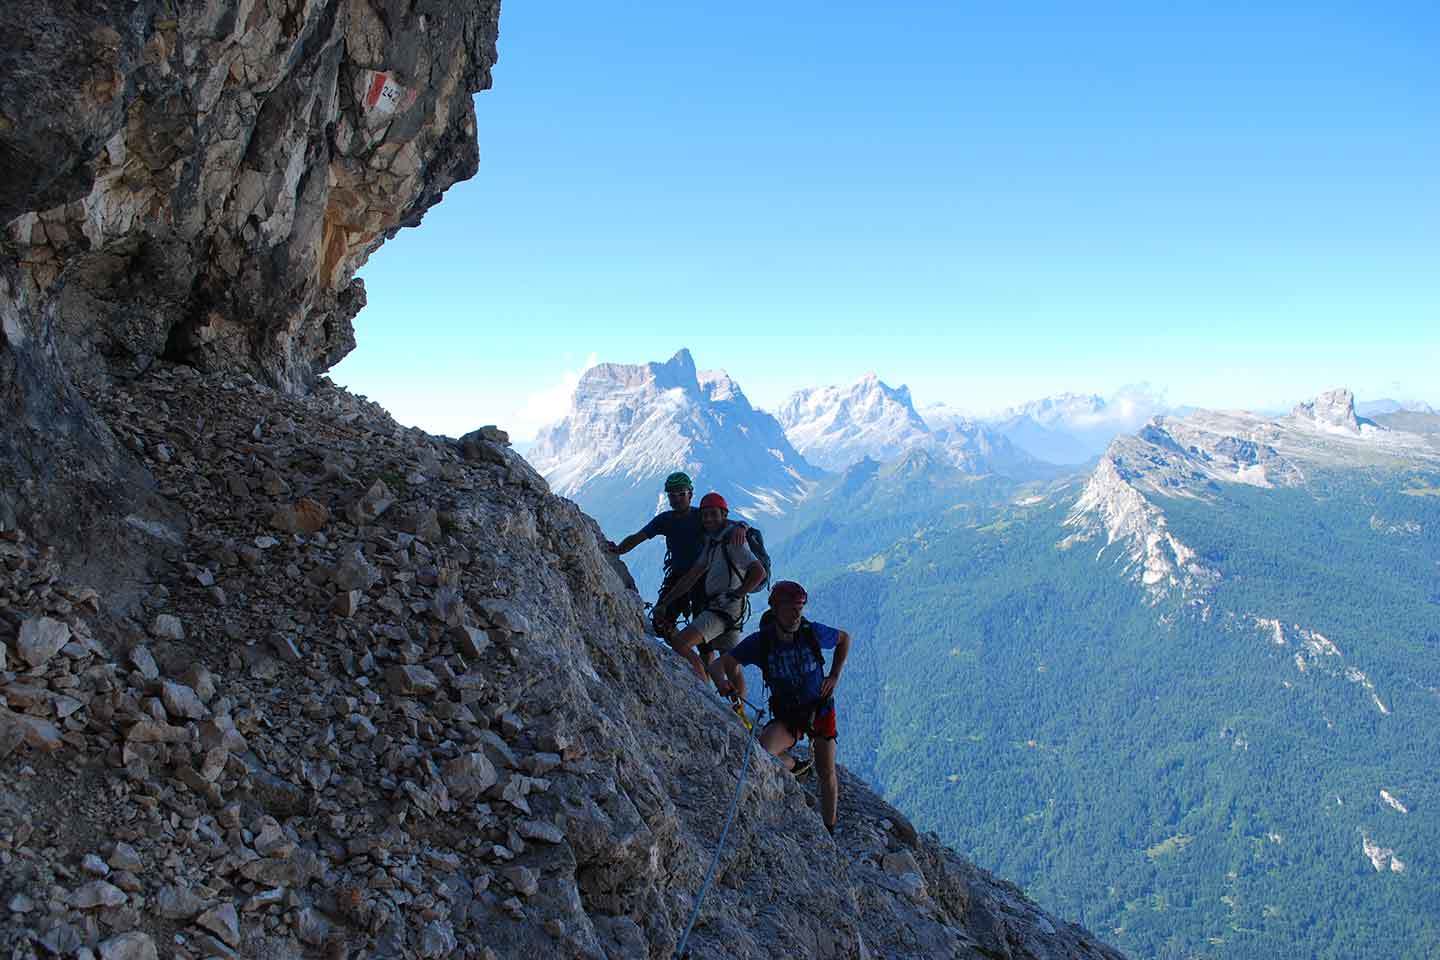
[[684, 537], [791, 669]]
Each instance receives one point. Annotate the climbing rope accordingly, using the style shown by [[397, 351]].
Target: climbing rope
[[680, 953]]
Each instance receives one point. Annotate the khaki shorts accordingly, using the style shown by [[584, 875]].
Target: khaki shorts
[[716, 631]]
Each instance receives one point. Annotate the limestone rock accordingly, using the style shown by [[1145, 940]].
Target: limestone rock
[[167, 627], [97, 893], [469, 641], [178, 903], [182, 702], [153, 731], [222, 921], [470, 775], [354, 572], [523, 879], [128, 946], [411, 680], [369, 508], [35, 732], [124, 857], [304, 516], [144, 661], [40, 639]]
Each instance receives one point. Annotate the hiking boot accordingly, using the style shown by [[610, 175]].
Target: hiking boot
[[802, 767]]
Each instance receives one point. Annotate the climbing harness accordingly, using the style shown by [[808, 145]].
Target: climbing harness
[[750, 742]]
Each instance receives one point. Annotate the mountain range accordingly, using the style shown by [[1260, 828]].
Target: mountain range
[[1202, 670], [1201, 666]]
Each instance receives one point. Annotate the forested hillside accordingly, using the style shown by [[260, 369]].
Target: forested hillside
[[1238, 771]]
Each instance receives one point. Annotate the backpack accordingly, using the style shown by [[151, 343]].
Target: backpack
[[768, 632], [755, 540]]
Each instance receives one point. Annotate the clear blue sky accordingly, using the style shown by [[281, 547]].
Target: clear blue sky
[[1239, 207]]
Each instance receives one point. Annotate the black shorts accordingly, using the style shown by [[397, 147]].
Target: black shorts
[[687, 606], [813, 720]]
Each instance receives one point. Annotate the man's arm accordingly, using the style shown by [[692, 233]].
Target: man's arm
[[837, 664], [754, 575], [629, 543], [737, 533]]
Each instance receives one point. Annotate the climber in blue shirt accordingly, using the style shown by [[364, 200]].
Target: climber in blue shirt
[[787, 649]]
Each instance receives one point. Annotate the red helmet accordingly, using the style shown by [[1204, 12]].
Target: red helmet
[[788, 590], [714, 500]]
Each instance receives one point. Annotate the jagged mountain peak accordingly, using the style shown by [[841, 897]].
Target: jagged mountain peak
[[1333, 410], [678, 372], [629, 425], [835, 426]]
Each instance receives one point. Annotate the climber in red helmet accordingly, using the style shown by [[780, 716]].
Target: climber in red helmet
[[684, 542], [787, 649], [728, 571]]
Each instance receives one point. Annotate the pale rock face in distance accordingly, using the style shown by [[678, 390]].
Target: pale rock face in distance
[[1183, 456], [834, 427]]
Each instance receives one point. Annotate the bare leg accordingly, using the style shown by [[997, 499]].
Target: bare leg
[[736, 676], [824, 753], [777, 740], [684, 644]]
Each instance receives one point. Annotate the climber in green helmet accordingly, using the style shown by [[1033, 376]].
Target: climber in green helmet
[[684, 542]]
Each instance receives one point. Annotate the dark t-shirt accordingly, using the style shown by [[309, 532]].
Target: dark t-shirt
[[791, 669], [684, 537]]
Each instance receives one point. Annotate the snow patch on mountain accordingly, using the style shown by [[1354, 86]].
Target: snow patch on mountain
[[837, 426]]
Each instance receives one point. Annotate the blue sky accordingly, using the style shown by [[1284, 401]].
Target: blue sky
[[1240, 208]]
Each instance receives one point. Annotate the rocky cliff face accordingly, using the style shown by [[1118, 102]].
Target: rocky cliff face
[[388, 697], [200, 182]]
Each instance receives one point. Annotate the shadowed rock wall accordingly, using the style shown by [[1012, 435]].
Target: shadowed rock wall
[[200, 181]]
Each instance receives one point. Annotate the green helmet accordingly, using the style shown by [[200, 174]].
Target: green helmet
[[678, 481]]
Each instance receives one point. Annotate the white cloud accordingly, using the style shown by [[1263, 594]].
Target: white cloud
[[544, 407], [1126, 409]]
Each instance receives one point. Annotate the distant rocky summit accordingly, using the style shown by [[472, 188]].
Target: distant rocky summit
[[836, 427], [631, 425], [280, 678]]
